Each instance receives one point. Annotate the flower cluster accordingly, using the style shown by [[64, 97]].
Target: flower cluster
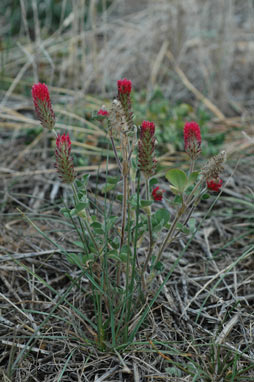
[[214, 184], [64, 162], [42, 105], [102, 112], [157, 193], [146, 145], [192, 139], [124, 87]]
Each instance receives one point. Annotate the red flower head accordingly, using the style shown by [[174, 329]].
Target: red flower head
[[124, 86], [102, 112], [64, 162], [146, 145], [157, 194], [192, 139], [214, 184], [42, 105]]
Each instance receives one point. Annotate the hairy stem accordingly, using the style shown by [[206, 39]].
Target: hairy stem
[[124, 208], [192, 164], [149, 224], [115, 152], [181, 211], [171, 231], [85, 221]]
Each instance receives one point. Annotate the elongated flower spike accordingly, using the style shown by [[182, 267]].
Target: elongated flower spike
[[157, 194], [117, 119], [214, 167], [124, 96], [42, 106], [64, 161], [146, 146], [192, 139]]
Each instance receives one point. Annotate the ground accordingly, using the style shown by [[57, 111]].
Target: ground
[[202, 319]]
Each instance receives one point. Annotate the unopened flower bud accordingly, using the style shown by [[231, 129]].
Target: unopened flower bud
[[64, 161], [146, 146]]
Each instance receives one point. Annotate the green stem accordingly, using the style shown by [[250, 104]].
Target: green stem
[[115, 152], [171, 231], [189, 198], [130, 289], [124, 208], [84, 220], [149, 224], [180, 212], [54, 131], [192, 163]]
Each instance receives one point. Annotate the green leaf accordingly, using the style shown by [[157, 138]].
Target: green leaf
[[177, 200], [161, 216], [85, 179], [113, 254], [119, 197], [97, 227], [79, 184], [74, 258], [112, 180], [125, 251], [192, 224], [79, 244], [173, 371], [205, 196], [132, 200], [153, 182], [159, 266], [111, 184], [145, 203], [178, 178], [193, 177], [183, 228], [108, 187], [73, 212], [111, 221], [157, 228], [65, 212], [115, 242], [80, 206], [174, 190]]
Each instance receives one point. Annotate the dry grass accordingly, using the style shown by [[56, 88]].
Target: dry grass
[[205, 310], [210, 40]]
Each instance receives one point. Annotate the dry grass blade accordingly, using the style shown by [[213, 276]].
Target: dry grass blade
[[227, 329], [214, 109]]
